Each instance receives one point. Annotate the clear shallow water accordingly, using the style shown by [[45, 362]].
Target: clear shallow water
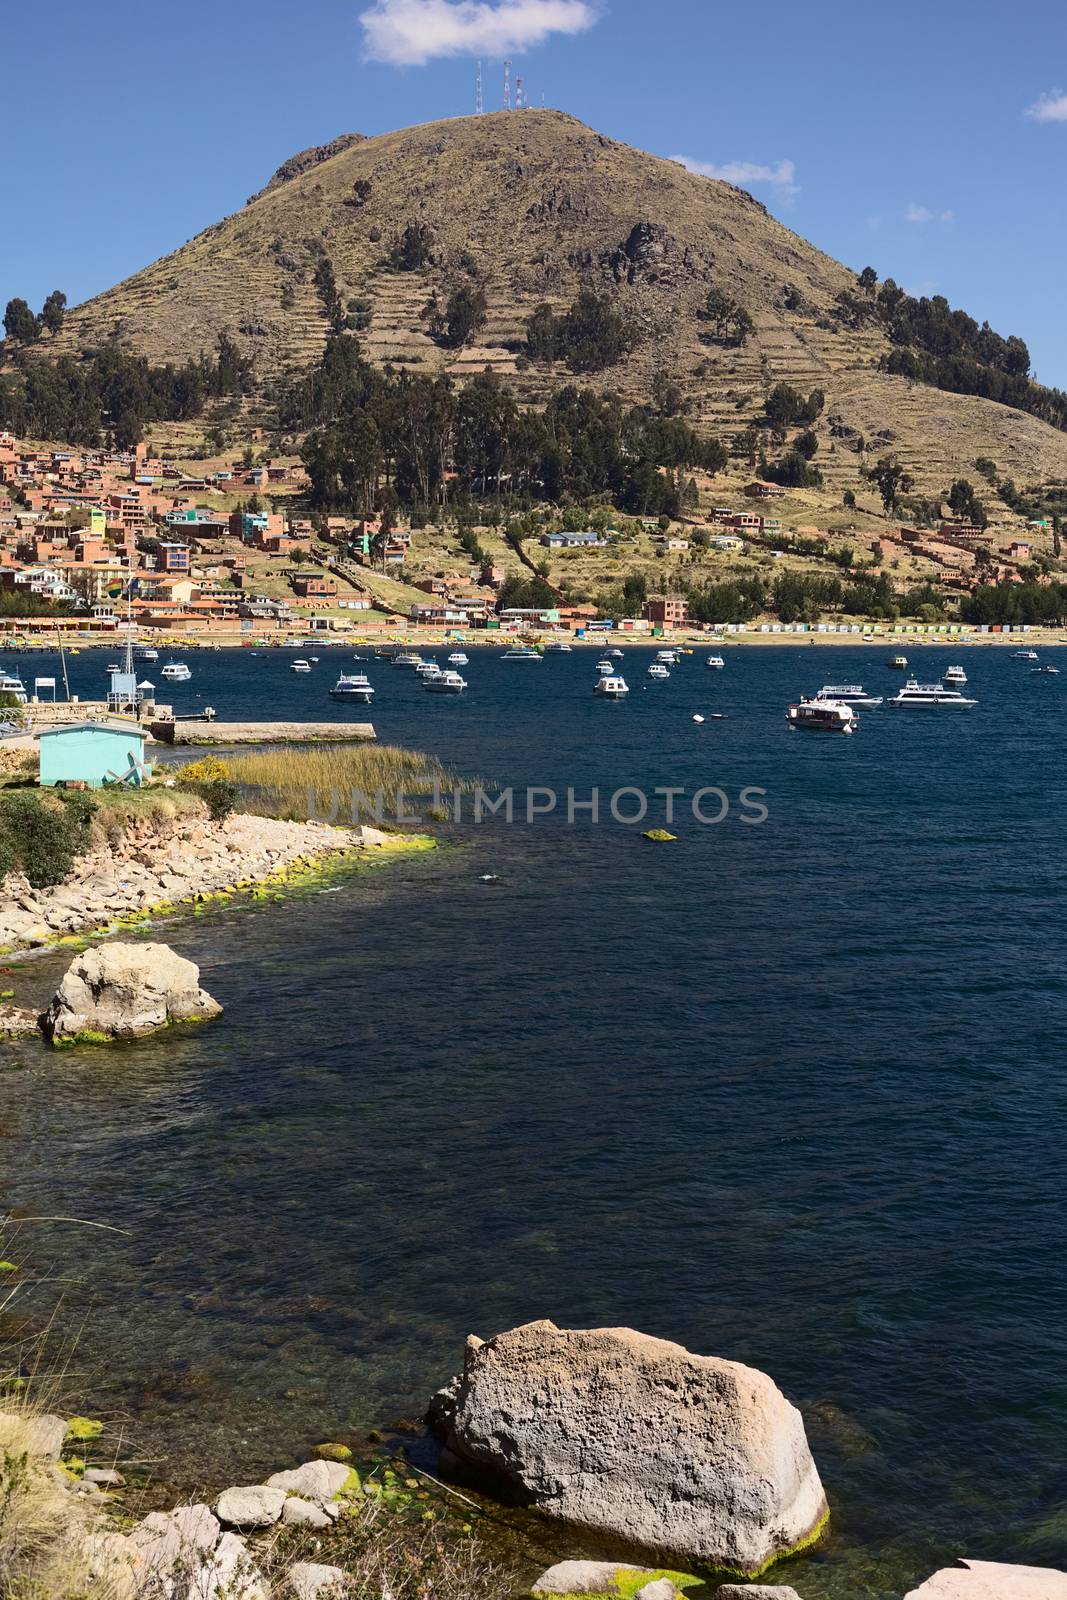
[[792, 1094]]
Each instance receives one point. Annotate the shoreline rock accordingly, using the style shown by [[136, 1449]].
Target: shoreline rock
[[125, 991], [151, 869], [608, 1429]]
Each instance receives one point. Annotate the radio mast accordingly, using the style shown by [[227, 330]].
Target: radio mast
[[507, 85], [478, 92]]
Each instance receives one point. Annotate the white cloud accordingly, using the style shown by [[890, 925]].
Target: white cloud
[[1049, 107], [746, 174], [409, 33], [923, 214]]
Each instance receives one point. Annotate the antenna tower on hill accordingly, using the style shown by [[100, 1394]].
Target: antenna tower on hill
[[478, 92], [520, 92], [507, 85]]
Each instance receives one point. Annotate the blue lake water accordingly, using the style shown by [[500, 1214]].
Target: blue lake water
[[793, 1094]]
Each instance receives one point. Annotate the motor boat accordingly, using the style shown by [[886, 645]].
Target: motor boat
[[954, 675], [299, 665], [176, 672], [928, 694], [716, 663], [353, 686], [558, 647], [458, 659], [612, 688], [407, 659], [446, 683], [12, 684], [427, 669], [823, 716], [520, 652], [145, 652], [669, 658], [847, 694], [616, 653], [1045, 672], [658, 670], [900, 662], [606, 667]]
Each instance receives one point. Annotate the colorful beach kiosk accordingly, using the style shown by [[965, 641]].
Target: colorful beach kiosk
[[94, 753]]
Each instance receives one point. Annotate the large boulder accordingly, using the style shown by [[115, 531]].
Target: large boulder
[[635, 1437], [586, 1577], [992, 1580], [124, 991]]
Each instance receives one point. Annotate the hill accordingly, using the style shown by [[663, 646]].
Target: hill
[[533, 206]]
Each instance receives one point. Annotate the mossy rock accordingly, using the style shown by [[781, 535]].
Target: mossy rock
[[8, 1266], [629, 1581], [332, 1452], [660, 836]]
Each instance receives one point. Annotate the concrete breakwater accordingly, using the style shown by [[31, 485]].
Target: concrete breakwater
[[204, 732]]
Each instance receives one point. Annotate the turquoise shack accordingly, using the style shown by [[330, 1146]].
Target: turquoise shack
[[95, 753]]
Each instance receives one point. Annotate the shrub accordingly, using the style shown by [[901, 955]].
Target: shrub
[[44, 836]]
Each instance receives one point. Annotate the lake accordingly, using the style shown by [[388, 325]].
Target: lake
[[790, 1092]]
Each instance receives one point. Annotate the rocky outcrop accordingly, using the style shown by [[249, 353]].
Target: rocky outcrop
[[125, 991], [158, 864], [635, 1437], [992, 1580], [306, 160]]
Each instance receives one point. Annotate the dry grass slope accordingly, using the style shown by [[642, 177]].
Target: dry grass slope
[[541, 205]]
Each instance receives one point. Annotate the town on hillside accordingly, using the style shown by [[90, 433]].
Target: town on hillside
[[94, 539]]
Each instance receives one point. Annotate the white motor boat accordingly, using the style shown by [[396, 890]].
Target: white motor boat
[[520, 652], [299, 665], [176, 672], [823, 716], [446, 683], [12, 684], [1024, 655], [407, 659], [900, 662], [658, 670], [954, 675], [669, 658], [928, 694], [612, 688], [847, 694], [353, 686], [616, 653], [1045, 672], [145, 652], [716, 663], [457, 659], [427, 669], [606, 667], [557, 647]]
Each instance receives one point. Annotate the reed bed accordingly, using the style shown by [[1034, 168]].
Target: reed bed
[[292, 782]]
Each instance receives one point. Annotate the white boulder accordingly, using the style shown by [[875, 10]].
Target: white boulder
[[257, 1506], [310, 1580], [610, 1429], [992, 1580], [585, 1577], [315, 1480], [124, 991]]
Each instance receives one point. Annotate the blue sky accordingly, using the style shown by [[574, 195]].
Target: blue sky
[[927, 138]]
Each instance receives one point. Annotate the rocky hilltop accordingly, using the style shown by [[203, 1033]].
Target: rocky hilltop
[[532, 206]]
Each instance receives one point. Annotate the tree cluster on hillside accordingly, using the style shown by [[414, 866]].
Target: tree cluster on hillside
[[463, 315], [1016, 602], [26, 327], [730, 322], [948, 349], [591, 335], [372, 429], [111, 394]]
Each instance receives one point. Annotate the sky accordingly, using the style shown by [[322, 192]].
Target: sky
[[927, 138]]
